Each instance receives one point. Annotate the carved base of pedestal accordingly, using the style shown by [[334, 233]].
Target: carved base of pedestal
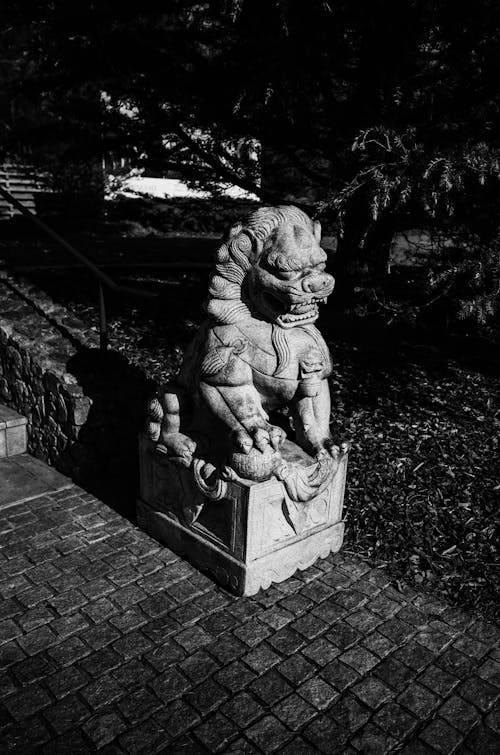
[[251, 538]]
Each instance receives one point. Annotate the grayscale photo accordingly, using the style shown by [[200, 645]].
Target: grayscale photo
[[250, 377]]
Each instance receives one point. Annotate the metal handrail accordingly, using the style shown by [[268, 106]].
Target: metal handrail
[[103, 279]]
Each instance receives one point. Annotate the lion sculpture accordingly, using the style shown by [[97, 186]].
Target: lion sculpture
[[258, 351]]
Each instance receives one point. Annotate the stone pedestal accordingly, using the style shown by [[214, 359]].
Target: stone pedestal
[[254, 536]]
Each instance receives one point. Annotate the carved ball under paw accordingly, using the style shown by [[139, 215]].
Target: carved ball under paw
[[256, 465]]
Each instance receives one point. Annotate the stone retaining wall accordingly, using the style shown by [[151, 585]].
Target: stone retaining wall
[[84, 409]]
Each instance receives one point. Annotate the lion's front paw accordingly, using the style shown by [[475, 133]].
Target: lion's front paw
[[336, 452], [259, 437], [178, 447]]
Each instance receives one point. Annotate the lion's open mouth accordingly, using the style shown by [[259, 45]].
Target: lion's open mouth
[[288, 315]]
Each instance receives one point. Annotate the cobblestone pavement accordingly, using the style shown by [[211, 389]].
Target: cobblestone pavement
[[110, 642]]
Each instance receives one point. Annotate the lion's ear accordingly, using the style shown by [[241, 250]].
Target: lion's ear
[[317, 230]]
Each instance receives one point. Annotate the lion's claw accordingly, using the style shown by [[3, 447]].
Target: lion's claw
[[336, 452], [259, 437], [277, 435], [176, 446], [243, 441]]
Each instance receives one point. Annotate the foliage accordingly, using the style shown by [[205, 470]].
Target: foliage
[[377, 115]]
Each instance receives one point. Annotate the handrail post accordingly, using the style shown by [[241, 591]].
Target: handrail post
[[103, 324]]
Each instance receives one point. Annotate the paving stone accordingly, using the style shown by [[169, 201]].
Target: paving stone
[[176, 718], [471, 647], [326, 735], [378, 644], [227, 648], [455, 662], [294, 711], [33, 669], [286, 641], [459, 713], [216, 732], [296, 604], [69, 651], [261, 658], [38, 640], [129, 620], [321, 651], [309, 626], [210, 601], [27, 702], [329, 612], [478, 692], [295, 669], [432, 639], [242, 747], [349, 712], [100, 610], [68, 625], [219, 622], [483, 631], [235, 677], [372, 691], [243, 609], [160, 628], [373, 741], [339, 675], [441, 736], [100, 662], [123, 647], [271, 687], [132, 644], [67, 714], [343, 636], [482, 741], [269, 734], [317, 591], [414, 655], [134, 673], [138, 705], [8, 685], [243, 709], [207, 696], [70, 743], [299, 747], [394, 673], [383, 606], [199, 666], [419, 700], [360, 659], [66, 681], [363, 620], [437, 680], [170, 685], [253, 632], [103, 728], [317, 692], [102, 692], [68, 602], [33, 619], [413, 616], [147, 736], [159, 604], [490, 672], [21, 738], [165, 655], [99, 636], [395, 720]]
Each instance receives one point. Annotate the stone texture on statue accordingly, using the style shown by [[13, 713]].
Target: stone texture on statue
[[220, 481]]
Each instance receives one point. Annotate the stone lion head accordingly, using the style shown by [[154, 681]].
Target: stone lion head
[[270, 267]]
